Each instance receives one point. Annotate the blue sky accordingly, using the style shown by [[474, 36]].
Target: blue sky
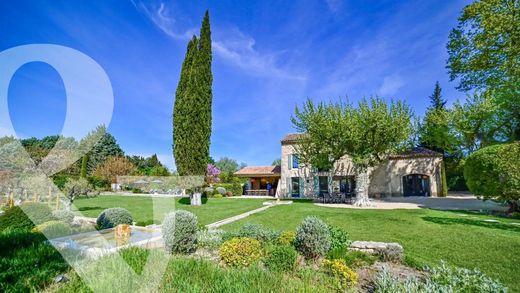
[[269, 56]]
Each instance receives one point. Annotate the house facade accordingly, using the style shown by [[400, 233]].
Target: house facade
[[413, 173]]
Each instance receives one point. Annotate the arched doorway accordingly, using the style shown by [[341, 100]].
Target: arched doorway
[[416, 185]]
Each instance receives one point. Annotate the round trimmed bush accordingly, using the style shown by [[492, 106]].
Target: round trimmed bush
[[15, 218], [282, 259], [63, 215], [312, 238], [221, 190], [53, 229], [112, 217], [241, 252], [258, 232], [179, 231]]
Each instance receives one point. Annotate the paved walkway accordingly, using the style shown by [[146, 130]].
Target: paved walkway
[[455, 201], [267, 204]]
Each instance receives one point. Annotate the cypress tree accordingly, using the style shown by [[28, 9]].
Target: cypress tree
[[192, 109], [436, 100]]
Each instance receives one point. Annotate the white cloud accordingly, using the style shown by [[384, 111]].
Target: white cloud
[[161, 17], [239, 49], [391, 84]]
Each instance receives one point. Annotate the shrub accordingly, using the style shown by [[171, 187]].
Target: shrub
[[229, 194], [112, 217], [343, 277], [515, 215], [312, 238], [63, 215], [208, 192], [234, 188], [217, 195], [241, 252], [16, 218], [441, 279], [209, 238], [53, 229], [179, 231], [281, 259], [221, 190], [259, 233], [493, 172], [338, 238], [287, 238]]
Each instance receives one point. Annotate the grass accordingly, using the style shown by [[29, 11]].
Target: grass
[[192, 275], [141, 208], [428, 236]]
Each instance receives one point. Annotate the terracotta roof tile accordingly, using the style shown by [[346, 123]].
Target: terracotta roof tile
[[291, 138], [259, 170], [417, 152]]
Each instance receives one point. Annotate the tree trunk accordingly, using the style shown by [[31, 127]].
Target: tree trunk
[[362, 184], [196, 199]]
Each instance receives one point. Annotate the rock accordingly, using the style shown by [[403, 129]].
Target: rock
[[389, 251], [61, 279]]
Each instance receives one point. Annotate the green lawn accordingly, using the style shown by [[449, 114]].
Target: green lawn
[[427, 236], [142, 209]]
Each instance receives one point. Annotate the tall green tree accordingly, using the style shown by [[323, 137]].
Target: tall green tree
[[106, 147], [484, 55], [368, 134], [226, 164], [192, 109]]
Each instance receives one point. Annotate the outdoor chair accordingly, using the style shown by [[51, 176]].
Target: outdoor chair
[[326, 197]]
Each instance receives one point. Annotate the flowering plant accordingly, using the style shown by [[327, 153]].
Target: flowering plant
[[212, 174]]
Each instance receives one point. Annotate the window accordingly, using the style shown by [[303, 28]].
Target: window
[[295, 161], [347, 184], [295, 186], [324, 184]]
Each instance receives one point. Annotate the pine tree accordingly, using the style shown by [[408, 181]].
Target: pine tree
[[437, 102], [192, 109]]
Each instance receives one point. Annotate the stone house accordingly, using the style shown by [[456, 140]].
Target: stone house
[[412, 173]]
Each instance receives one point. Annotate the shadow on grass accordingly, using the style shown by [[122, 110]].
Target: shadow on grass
[[471, 222], [82, 209], [186, 200]]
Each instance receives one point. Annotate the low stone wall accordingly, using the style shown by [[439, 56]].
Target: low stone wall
[[389, 251]]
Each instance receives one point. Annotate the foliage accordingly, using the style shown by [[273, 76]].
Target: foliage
[[241, 252], [287, 238], [357, 259], [59, 180], [192, 110], [179, 231], [258, 232], [84, 166], [494, 173], [27, 262], [212, 174], [221, 190], [63, 215], [281, 259], [228, 165], [53, 229], [209, 238], [343, 277], [312, 238], [444, 182], [103, 149], [339, 238], [112, 217], [113, 167], [150, 166], [441, 279], [484, 56], [277, 162], [218, 195], [235, 188], [74, 188], [16, 217]]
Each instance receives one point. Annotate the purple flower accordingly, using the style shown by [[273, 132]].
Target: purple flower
[[212, 174]]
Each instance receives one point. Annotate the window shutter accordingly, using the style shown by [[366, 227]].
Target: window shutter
[[316, 186], [288, 182], [289, 159], [302, 187]]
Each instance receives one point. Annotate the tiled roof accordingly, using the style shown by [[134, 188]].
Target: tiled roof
[[291, 138], [259, 170], [417, 152]]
